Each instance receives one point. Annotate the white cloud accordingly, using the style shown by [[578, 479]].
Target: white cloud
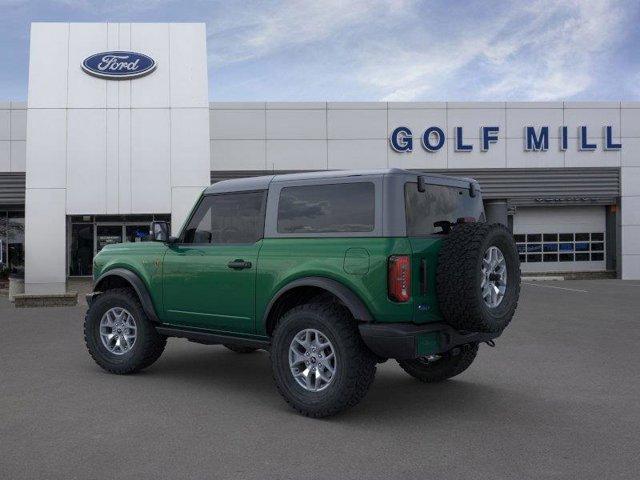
[[547, 50], [257, 30]]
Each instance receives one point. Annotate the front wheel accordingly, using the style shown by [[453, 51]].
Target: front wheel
[[320, 364], [118, 334], [436, 368]]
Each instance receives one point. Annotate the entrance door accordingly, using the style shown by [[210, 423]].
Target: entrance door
[[210, 275], [81, 249]]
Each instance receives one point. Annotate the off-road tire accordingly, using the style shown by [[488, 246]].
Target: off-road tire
[[450, 364], [148, 346], [239, 349], [356, 365], [459, 276]]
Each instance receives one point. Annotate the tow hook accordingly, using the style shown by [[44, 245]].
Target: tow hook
[[491, 343]]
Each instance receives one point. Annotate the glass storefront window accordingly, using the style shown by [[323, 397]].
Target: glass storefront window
[[136, 233], [107, 235], [91, 233]]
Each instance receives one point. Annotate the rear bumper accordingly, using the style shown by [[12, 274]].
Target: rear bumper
[[405, 340]]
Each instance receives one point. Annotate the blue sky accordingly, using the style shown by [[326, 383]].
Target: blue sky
[[378, 49]]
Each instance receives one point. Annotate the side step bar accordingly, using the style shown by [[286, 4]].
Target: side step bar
[[208, 338]]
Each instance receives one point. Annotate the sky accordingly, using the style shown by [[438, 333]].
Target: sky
[[377, 50]]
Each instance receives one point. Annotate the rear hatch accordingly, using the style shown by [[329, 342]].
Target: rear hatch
[[444, 201]]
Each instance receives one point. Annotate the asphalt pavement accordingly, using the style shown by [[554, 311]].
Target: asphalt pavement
[[559, 397]]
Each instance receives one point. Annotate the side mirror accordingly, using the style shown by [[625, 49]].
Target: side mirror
[[159, 231]]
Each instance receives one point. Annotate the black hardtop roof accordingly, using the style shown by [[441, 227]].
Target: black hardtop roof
[[263, 182]]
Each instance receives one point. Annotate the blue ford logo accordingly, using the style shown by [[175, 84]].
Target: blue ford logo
[[118, 65]]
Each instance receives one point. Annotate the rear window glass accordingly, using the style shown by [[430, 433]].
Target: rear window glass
[[337, 208], [437, 203]]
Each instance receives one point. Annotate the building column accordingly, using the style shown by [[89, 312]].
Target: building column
[[630, 223], [45, 241]]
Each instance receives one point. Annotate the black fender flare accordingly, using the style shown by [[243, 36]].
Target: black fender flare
[[355, 305], [138, 285]]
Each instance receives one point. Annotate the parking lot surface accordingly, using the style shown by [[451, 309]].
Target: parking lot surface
[[559, 397]]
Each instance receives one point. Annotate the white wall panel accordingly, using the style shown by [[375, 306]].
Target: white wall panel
[[124, 86], [124, 161], [418, 120], [18, 124], [111, 162], [495, 157], [630, 211], [344, 154], [86, 91], [18, 156], [113, 43], [190, 165], [592, 118], [517, 157], [630, 120], [152, 91], [188, 73], [47, 148], [5, 156], [518, 118], [630, 239], [296, 124], [86, 161], [296, 154], [238, 155], [417, 158], [45, 240], [150, 161], [357, 124], [5, 124], [598, 158], [182, 200], [630, 181], [48, 62], [472, 119], [630, 268], [630, 153], [238, 124]]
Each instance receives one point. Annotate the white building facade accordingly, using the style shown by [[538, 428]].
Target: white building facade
[[91, 160]]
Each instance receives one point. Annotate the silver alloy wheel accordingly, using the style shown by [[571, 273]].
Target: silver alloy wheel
[[118, 330], [312, 360], [494, 277]]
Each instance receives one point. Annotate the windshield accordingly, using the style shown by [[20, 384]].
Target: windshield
[[438, 203]]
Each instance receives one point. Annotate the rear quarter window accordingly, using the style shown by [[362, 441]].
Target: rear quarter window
[[437, 203], [332, 208]]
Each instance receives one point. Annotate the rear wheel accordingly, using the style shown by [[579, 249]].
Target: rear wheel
[[436, 368], [118, 334], [320, 364]]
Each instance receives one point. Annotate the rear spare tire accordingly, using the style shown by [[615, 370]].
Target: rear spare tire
[[478, 277]]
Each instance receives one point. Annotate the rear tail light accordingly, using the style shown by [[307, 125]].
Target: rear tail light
[[399, 278]]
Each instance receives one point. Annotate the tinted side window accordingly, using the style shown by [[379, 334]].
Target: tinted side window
[[228, 218], [344, 207], [437, 203]]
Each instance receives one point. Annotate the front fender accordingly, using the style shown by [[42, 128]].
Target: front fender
[[136, 283]]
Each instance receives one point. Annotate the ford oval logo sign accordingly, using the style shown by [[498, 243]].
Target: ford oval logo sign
[[118, 65]]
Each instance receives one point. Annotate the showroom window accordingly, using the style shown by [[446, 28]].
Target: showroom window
[[561, 247], [11, 242]]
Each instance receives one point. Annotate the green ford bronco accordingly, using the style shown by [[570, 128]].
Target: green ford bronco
[[331, 272]]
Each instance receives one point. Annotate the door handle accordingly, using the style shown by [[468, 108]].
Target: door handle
[[238, 264]]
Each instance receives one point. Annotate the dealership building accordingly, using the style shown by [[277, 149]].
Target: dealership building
[[118, 130]]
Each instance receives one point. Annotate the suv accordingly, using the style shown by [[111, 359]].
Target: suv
[[331, 272]]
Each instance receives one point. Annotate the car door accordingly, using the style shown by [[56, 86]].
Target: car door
[[209, 275]]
